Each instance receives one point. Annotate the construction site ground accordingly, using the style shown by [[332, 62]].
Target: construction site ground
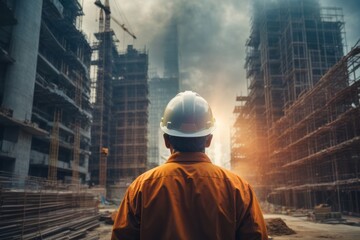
[[308, 230], [304, 228], [104, 231]]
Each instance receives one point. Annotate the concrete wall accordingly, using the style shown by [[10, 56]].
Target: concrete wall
[[20, 76]]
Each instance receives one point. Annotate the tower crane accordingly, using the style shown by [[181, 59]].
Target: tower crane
[[107, 11]]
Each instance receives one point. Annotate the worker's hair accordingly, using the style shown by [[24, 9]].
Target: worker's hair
[[188, 144]]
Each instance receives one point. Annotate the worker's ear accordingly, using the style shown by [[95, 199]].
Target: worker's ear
[[208, 140], [167, 141]]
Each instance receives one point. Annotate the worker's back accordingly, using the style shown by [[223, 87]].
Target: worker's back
[[190, 198]]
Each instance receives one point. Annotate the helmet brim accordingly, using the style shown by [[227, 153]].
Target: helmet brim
[[177, 133]]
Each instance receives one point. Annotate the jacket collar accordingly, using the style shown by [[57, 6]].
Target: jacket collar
[[188, 157]]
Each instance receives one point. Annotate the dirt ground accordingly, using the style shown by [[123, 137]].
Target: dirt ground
[[305, 230], [104, 231]]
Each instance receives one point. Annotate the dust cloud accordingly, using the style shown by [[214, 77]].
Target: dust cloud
[[212, 36]]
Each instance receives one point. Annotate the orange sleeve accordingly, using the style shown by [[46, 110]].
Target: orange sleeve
[[252, 224], [127, 221]]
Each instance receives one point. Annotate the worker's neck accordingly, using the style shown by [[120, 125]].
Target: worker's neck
[[176, 151]]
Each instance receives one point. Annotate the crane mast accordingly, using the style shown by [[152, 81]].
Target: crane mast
[[106, 9]]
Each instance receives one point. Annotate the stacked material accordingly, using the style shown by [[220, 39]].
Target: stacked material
[[323, 213], [38, 209]]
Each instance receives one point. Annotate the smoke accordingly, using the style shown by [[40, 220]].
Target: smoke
[[212, 36]]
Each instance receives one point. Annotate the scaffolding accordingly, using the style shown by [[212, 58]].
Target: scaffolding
[[54, 147], [248, 141], [128, 157], [317, 142], [239, 144], [76, 153], [76, 129], [101, 86], [35, 208], [62, 89], [119, 130], [302, 119], [51, 143]]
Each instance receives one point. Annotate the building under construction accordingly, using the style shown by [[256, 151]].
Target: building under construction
[[120, 94], [103, 51], [298, 128], [128, 151], [44, 90], [161, 91], [45, 118], [316, 143]]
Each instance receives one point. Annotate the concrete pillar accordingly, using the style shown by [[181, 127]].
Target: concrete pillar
[[22, 153], [20, 77]]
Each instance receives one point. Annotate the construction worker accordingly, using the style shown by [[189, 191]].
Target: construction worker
[[188, 197]]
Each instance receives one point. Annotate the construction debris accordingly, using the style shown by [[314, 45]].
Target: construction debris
[[277, 227]]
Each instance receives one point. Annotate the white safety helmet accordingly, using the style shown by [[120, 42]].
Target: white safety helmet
[[187, 115]]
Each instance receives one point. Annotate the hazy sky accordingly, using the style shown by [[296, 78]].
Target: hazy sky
[[212, 36]]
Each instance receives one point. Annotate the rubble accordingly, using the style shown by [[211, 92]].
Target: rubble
[[277, 227]]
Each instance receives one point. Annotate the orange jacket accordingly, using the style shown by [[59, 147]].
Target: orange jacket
[[189, 198]]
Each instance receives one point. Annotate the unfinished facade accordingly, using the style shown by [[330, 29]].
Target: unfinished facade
[[161, 91], [103, 51], [245, 160], [120, 96], [128, 151], [316, 143], [45, 90], [292, 45]]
